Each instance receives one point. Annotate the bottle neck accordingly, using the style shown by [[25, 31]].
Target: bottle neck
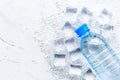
[[86, 34]]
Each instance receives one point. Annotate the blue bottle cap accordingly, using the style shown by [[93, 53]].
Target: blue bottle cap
[[82, 30]]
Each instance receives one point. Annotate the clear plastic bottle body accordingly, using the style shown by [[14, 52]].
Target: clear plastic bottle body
[[102, 59]]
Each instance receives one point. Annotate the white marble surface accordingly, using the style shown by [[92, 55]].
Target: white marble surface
[[27, 26]]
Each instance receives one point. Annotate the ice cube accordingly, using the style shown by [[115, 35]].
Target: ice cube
[[107, 13], [59, 55], [71, 14], [68, 30], [94, 25], [74, 55], [59, 41], [108, 30], [59, 61], [75, 70], [71, 44], [104, 17], [71, 10], [86, 11], [89, 75], [84, 15], [108, 27], [77, 63], [78, 70], [76, 24], [76, 59], [59, 46], [67, 24]]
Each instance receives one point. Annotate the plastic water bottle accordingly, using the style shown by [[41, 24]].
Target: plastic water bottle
[[104, 62]]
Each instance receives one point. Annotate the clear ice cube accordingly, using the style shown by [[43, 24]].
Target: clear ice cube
[[59, 60], [71, 14], [94, 26], [107, 13], [104, 17], [71, 44], [85, 15], [108, 27], [108, 30], [78, 70], [75, 70], [89, 75], [59, 56], [71, 10], [59, 46], [86, 11], [59, 41], [75, 55], [76, 63], [68, 30]]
